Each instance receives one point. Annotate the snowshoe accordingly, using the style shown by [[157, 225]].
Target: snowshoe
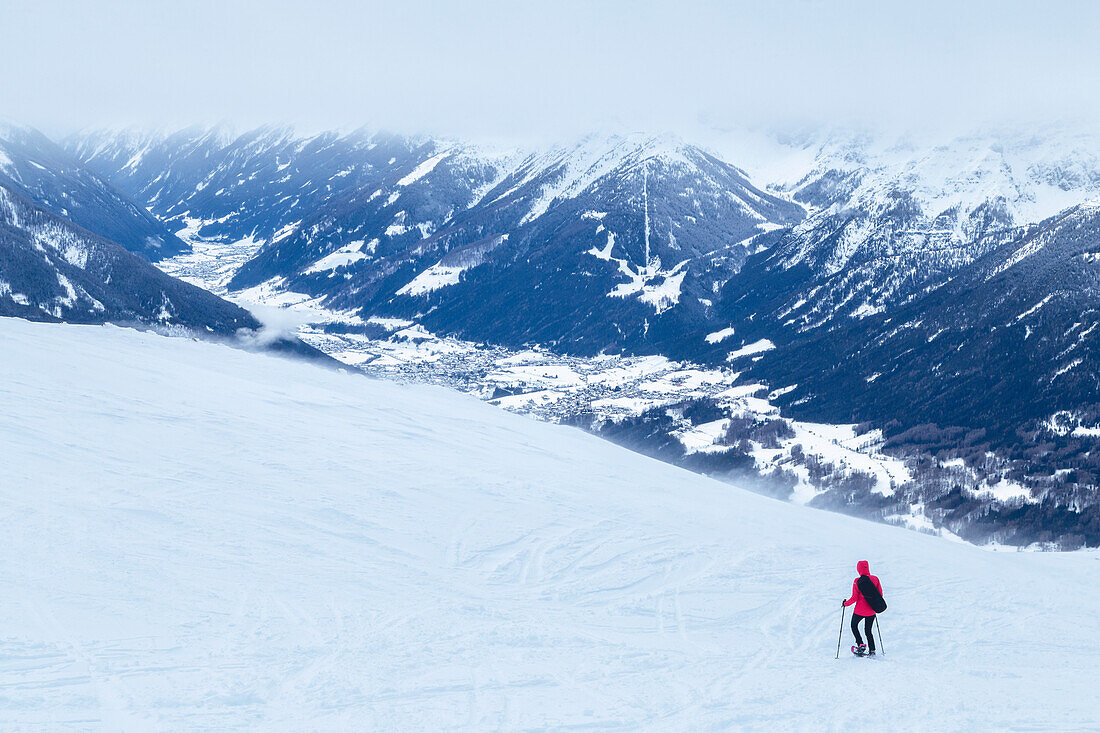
[[859, 650]]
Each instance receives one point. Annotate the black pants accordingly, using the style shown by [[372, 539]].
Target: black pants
[[868, 621]]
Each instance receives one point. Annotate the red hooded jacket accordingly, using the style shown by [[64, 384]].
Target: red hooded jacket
[[862, 608]]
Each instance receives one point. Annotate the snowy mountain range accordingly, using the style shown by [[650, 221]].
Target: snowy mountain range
[[1012, 337], [890, 221], [608, 243], [940, 292], [410, 225]]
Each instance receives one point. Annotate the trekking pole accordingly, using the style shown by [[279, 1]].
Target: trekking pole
[[878, 624], [841, 634]]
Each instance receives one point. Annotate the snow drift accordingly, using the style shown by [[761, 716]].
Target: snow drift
[[199, 537]]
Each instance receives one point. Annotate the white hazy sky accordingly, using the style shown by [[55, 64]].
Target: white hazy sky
[[547, 68]]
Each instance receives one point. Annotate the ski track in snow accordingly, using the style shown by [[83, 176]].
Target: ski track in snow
[[203, 538]]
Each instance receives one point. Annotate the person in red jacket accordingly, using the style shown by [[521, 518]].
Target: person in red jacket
[[863, 611]]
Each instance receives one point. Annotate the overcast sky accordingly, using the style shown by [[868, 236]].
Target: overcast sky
[[521, 69]]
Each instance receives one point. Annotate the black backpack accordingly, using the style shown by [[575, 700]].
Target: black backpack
[[870, 594]]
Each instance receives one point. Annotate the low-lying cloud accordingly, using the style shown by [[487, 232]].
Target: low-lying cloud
[[526, 69]]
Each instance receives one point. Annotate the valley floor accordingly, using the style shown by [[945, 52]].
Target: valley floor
[[203, 538]]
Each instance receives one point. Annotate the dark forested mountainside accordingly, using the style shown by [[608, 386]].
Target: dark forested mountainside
[[34, 167], [52, 270]]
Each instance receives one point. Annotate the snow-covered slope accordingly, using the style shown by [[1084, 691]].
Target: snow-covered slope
[[178, 555], [1030, 175]]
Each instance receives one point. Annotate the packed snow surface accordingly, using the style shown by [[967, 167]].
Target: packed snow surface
[[200, 537]]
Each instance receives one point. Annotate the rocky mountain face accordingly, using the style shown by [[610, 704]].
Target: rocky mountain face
[[610, 246], [258, 185]]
